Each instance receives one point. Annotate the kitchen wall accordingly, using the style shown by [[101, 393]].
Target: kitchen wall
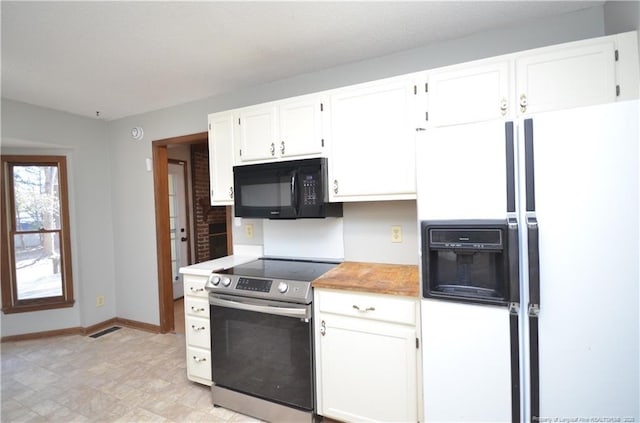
[[116, 250], [136, 275], [85, 143]]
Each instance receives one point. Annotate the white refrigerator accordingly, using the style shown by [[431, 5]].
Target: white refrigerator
[[569, 348]]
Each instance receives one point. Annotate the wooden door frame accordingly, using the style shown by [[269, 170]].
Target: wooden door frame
[[163, 236]]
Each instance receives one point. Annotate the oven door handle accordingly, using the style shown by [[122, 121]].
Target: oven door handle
[[299, 313]]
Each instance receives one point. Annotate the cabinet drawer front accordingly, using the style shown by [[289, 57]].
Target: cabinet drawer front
[[194, 285], [199, 363], [196, 307], [367, 306], [197, 332]]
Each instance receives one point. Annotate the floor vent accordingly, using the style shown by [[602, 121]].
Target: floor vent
[[104, 332]]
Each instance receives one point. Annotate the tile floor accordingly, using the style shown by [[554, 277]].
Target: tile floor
[[125, 376]]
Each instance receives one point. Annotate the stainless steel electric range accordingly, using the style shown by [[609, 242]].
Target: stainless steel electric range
[[262, 338]]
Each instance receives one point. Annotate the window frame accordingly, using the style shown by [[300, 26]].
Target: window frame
[[10, 301]]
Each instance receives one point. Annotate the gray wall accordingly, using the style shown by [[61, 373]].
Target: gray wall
[[136, 275], [84, 141], [116, 234]]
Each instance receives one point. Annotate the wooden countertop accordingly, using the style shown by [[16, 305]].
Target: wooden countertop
[[391, 279]]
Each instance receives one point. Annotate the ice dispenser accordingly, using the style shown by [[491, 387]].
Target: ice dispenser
[[466, 261]]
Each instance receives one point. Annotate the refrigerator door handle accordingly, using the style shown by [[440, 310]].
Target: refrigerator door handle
[[533, 312], [513, 249], [515, 362], [528, 166], [534, 266], [510, 161]]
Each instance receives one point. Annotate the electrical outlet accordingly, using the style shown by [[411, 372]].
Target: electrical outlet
[[396, 234], [248, 230], [99, 300]]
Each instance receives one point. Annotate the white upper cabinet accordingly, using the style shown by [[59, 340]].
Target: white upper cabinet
[[563, 77], [278, 130], [372, 141], [301, 127], [469, 93], [258, 133], [576, 74], [221, 141]]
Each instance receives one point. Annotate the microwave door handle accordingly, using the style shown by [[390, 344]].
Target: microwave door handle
[[294, 191]]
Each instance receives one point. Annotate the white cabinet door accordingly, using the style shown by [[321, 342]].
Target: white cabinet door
[[372, 145], [300, 127], [221, 144], [368, 370], [258, 133], [462, 171], [563, 77], [466, 94]]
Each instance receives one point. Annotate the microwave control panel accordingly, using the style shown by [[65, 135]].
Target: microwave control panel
[[310, 190]]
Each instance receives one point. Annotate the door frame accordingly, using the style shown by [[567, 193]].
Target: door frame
[[163, 236]]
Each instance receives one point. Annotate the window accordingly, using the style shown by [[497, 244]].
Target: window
[[35, 241]]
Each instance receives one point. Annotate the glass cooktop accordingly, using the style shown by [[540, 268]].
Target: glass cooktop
[[281, 268]]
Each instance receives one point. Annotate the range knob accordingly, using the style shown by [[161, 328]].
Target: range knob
[[212, 282], [226, 281], [283, 287]]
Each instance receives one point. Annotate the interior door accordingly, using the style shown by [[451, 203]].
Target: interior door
[[178, 223]]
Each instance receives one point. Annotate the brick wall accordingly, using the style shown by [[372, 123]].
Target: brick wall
[[203, 213]]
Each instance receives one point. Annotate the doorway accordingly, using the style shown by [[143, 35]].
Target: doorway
[[179, 226], [199, 201]]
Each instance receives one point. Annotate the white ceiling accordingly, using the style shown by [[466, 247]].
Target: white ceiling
[[124, 58]]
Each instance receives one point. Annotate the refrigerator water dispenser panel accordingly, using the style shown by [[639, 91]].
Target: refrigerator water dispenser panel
[[465, 261]]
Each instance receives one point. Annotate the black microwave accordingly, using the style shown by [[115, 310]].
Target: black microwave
[[293, 189]]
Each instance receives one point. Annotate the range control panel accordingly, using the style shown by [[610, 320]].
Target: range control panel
[[275, 289]]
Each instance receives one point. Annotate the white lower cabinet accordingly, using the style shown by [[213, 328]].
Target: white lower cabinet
[[366, 356], [197, 329]]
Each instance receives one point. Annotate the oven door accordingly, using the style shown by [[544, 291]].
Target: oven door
[[263, 348]]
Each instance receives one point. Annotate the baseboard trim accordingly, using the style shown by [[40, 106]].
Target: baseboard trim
[[137, 325], [45, 334], [116, 321]]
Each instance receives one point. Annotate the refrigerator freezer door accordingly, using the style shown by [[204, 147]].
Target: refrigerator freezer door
[[586, 198], [461, 172], [466, 355]]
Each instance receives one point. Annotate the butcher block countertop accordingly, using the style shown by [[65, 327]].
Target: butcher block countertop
[[390, 279]]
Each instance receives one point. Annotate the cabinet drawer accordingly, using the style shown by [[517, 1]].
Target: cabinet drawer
[[194, 285], [196, 307], [199, 363], [197, 332], [367, 306]]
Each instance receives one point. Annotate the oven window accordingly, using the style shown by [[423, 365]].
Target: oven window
[[264, 355]]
